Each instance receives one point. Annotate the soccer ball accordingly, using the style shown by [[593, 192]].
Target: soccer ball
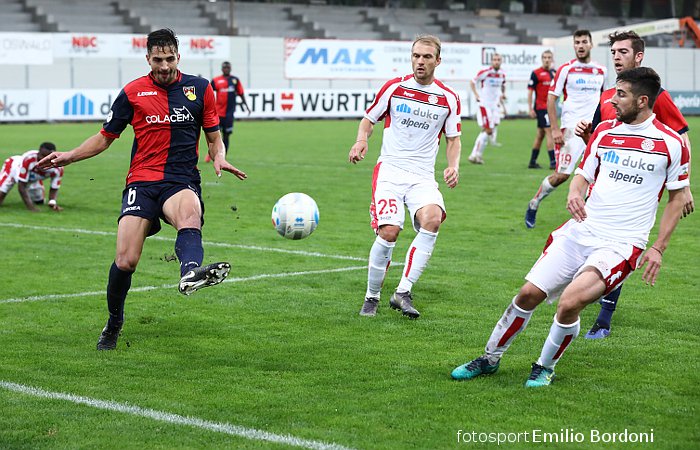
[[295, 215]]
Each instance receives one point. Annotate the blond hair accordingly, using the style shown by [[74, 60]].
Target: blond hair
[[430, 40]]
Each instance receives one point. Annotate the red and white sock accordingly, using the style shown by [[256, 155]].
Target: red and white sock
[[545, 189], [479, 145], [512, 323], [379, 260], [417, 258], [560, 336]]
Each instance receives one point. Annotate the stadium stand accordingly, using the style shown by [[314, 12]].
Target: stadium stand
[[79, 15], [155, 14], [303, 20], [16, 17], [486, 26], [259, 19]]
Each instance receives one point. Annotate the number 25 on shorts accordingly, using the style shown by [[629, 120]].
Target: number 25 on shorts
[[387, 206]]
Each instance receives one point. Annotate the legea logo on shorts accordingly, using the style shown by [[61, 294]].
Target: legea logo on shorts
[[178, 115]]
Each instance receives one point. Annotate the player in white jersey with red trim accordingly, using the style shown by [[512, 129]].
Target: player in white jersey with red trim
[[489, 88], [22, 170], [417, 109], [631, 160], [581, 82]]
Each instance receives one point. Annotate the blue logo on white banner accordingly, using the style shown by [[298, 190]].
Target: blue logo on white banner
[[78, 105]]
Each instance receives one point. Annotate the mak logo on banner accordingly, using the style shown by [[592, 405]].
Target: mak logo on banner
[[341, 55]]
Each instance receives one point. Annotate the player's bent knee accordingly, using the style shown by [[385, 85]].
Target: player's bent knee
[[389, 233], [126, 263], [558, 178], [570, 307], [529, 297]]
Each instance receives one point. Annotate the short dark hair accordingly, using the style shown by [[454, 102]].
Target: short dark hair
[[579, 33], [225, 63], [643, 81], [162, 38], [637, 41], [47, 146]]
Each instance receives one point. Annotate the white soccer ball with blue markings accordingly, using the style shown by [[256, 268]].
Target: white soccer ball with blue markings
[[295, 215]]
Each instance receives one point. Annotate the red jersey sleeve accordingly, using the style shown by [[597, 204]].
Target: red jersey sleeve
[[210, 120], [668, 113]]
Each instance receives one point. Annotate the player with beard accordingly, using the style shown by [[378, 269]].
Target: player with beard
[[580, 81], [627, 51], [629, 161], [167, 110]]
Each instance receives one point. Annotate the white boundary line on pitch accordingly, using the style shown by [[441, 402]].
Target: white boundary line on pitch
[[262, 276], [162, 416], [208, 243]]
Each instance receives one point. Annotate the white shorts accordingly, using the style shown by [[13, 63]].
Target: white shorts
[[568, 154], [394, 188], [571, 248], [488, 116]]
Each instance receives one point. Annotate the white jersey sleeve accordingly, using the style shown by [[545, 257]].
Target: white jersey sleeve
[[380, 106]]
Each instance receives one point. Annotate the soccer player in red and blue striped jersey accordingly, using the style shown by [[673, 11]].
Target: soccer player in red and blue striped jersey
[[540, 81], [227, 88], [167, 110]]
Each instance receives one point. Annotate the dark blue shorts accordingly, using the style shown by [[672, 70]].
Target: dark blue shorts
[[226, 124], [146, 199], [542, 118]]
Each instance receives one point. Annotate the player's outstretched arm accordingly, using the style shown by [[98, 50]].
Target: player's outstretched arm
[[359, 148], [689, 205], [472, 85], [94, 145], [244, 103], [575, 202], [217, 152], [453, 151], [53, 204], [557, 135], [669, 220], [24, 194]]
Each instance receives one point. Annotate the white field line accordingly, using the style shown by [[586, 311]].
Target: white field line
[[206, 243], [162, 416], [261, 276]]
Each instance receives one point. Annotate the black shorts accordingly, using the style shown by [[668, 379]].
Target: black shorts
[[146, 199], [542, 118], [226, 124]]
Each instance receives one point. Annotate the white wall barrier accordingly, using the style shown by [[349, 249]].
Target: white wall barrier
[[30, 105], [94, 104], [27, 105]]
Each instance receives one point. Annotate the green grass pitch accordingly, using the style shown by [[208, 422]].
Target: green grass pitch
[[281, 349]]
